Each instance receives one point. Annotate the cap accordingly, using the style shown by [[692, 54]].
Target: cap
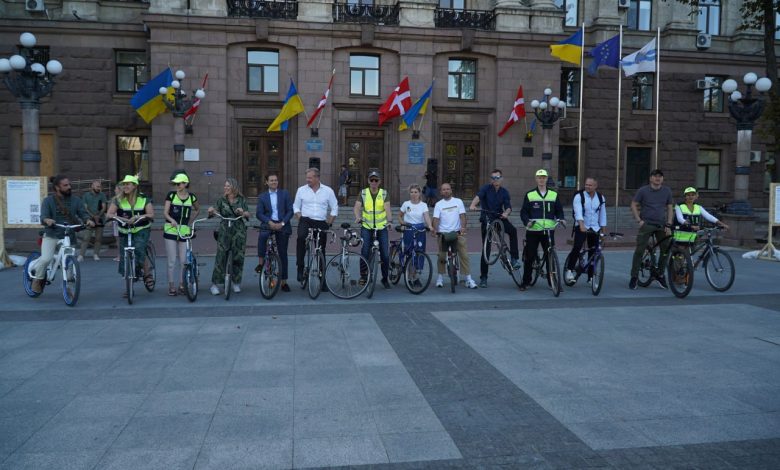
[[180, 178], [541, 173], [656, 172], [690, 189], [374, 173], [130, 179]]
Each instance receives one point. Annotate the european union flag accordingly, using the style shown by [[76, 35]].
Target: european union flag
[[605, 53]]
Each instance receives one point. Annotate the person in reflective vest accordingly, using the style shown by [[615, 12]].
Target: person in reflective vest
[[373, 211], [181, 206], [689, 215]]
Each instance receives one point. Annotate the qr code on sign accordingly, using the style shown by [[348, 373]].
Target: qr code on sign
[[35, 208], [35, 219]]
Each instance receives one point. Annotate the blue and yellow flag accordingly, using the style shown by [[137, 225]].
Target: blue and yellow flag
[[148, 102], [570, 49], [292, 107], [418, 109]]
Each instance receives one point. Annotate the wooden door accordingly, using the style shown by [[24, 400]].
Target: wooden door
[[365, 150], [262, 154], [460, 162]]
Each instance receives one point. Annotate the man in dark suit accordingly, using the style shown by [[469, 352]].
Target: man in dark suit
[[274, 210]]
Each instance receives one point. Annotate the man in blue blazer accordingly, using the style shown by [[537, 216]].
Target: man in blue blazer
[[274, 210]]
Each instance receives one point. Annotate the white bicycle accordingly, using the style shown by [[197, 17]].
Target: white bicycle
[[64, 259]]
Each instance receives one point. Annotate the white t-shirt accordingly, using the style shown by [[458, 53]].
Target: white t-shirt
[[448, 213], [414, 213]]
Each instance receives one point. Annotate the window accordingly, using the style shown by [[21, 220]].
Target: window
[[713, 95], [570, 87], [364, 75], [131, 70], [263, 71], [708, 20], [639, 14], [642, 91], [777, 26], [462, 79], [452, 4], [708, 169], [132, 156], [567, 166], [570, 7], [637, 166]]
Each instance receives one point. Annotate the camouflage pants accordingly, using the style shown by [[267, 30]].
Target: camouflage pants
[[235, 241]]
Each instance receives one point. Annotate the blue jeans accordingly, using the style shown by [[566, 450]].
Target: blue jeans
[[384, 248]]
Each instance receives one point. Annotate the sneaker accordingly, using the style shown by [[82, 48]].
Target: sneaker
[[214, 289], [661, 282], [633, 283], [236, 289], [471, 284], [590, 281], [483, 283], [523, 287], [96, 257], [569, 275], [37, 286], [516, 264], [386, 283], [285, 288], [439, 281], [80, 259]]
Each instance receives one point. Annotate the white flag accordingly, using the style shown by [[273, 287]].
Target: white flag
[[642, 60]]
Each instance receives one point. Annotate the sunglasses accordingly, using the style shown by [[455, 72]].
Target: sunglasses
[[496, 178], [373, 180]]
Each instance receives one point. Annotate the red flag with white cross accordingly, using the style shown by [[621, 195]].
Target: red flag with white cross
[[518, 111], [397, 104]]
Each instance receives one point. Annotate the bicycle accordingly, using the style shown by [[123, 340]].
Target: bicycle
[[678, 265], [270, 270], [495, 247], [228, 254], [593, 264], [416, 268], [65, 259], [716, 261], [313, 279], [374, 258], [547, 264], [128, 258], [452, 262], [190, 270], [343, 270]]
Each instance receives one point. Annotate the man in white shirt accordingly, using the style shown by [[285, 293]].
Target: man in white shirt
[[449, 216], [315, 206], [590, 223]]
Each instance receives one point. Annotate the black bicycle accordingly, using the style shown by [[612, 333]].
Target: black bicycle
[[590, 261], [545, 263], [718, 265], [270, 270], [374, 259], [229, 253], [128, 258], [416, 267], [678, 265], [495, 247]]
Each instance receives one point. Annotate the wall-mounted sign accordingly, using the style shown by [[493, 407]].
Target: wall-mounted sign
[[191, 155], [416, 153], [313, 145]]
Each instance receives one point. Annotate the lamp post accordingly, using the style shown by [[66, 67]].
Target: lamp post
[[548, 112], [746, 110], [181, 107], [29, 82]]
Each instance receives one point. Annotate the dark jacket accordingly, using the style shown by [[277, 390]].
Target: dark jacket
[[50, 210], [284, 206]]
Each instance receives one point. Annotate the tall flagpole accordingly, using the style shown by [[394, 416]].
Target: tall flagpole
[[617, 145], [657, 90], [579, 125]]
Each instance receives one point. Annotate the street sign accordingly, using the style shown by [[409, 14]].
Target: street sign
[[313, 145], [208, 173]]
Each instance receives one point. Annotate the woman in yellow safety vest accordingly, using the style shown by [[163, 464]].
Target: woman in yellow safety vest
[[181, 206], [689, 215]]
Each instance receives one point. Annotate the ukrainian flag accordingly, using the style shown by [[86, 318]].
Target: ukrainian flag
[[570, 49], [292, 107], [148, 102], [418, 109]]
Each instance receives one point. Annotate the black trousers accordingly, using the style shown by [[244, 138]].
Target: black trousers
[[532, 240], [513, 249], [300, 243], [579, 240]]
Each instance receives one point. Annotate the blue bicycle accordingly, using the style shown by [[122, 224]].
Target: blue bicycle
[[590, 261], [411, 261]]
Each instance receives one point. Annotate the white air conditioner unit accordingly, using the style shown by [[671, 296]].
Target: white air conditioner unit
[[755, 156], [703, 41], [623, 3], [701, 84], [34, 5]]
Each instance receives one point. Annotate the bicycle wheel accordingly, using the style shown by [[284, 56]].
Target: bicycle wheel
[[269, 276], [228, 275], [191, 280], [151, 256], [26, 278], [680, 271], [306, 268], [566, 265], [491, 247], [538, 268], [71, 281], [395, 269], [554, 273], [646, 266], [597, 281], [342, 275], [453, 273], [371, 284], [316, 278], [418, 271], [129, 276], [515, 274], [719, 270]]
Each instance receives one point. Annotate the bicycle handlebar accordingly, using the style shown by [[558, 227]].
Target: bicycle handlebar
[[229, 219], [68, 227], [127, 223], [192, 229]]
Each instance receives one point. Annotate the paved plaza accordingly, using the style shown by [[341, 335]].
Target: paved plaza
[[486, 378]]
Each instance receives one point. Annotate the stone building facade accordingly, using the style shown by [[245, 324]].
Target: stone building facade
[[88, 128]]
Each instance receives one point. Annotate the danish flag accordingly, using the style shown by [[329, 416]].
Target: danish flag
[[196, 103], [398, 103], [518, 111], [323, 101]]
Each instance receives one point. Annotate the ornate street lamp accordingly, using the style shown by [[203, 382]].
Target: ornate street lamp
[[746, 110], [29, 82], [181, 107], [548, 112]]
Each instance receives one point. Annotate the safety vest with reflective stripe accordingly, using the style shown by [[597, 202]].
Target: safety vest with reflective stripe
[[374, 213], [124, 209], [542, 209], [685, 233], [180, 211]]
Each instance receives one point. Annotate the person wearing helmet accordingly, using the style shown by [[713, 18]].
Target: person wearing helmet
[[689, 215], [181, 206]]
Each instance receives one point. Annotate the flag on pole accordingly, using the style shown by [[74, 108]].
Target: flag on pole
[[518, 111], [148, 102], [292, 107], [419, 108], [606, 53], [570, 49], [397, 104], [322, 102], [642, 60], [196, 103]]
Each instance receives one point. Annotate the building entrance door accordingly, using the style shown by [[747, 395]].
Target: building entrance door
[[262, 154], [365, 149], [461, 164]]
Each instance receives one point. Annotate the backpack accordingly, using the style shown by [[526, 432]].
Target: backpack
[[581, 192]]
